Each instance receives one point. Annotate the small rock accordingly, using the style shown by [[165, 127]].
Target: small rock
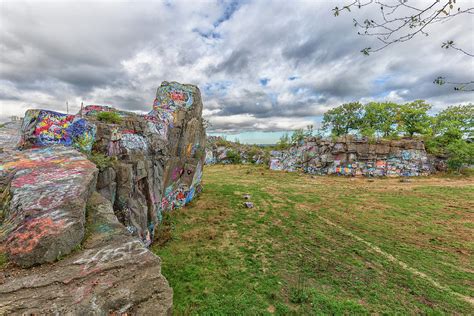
[[248, 204]]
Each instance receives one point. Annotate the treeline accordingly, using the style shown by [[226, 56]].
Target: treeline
[[449, 133]]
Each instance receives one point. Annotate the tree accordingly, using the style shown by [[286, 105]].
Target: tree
[[283, 142], [461, 153], [380, 118], [453, 124], [297, 136], [344, 118], [456, 119], [400, 21], [413, 118]]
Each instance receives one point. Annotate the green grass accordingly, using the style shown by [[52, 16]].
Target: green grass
[[306, 246]]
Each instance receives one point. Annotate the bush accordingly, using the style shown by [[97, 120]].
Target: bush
[[233, 157], [100, 160], [109, 117]]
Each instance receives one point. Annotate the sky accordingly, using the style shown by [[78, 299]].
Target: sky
[[263, 67]]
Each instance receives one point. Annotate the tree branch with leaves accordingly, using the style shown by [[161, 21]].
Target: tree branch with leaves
[[400, 21]]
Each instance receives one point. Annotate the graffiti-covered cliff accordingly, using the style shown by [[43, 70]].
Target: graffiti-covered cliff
[[352, 156], [156, 159], [222, 151], [97, 218]]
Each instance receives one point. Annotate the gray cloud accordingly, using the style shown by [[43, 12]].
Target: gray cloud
[[117, 53]]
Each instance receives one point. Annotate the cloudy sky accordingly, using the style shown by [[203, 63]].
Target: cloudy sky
[[262, 66]]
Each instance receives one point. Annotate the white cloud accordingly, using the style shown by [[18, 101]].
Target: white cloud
[[117, 53]]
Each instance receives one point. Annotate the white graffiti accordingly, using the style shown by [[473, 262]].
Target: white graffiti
[[109, 255]]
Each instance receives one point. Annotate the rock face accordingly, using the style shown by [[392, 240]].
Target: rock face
[[157, 158], [44, 203], [221, 151], [55, 204], [114, 274], [350, 156]]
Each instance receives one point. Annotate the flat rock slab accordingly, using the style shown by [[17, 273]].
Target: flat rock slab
[[113, 274], [44, 200]]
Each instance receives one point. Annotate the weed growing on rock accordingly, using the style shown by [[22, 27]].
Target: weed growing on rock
[[100, 160], [109, 117]]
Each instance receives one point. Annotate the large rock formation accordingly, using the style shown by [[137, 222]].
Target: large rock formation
[[147, 164], [157, 158], [351, 156]]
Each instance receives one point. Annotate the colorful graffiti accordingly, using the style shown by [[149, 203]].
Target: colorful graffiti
[[332, 159], [183, 188], [47, 188], [173, 95], [46, 128], [170, 97], [133, 142]]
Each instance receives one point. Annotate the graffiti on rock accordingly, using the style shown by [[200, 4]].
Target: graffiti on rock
[[170, 97], [113, 148], [183, 188], [173, 95], [133, 142], [46, 128], [47, 188], [404, 158], [111, 255]]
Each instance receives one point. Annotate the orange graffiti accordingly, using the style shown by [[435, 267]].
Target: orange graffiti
[[28, 236]]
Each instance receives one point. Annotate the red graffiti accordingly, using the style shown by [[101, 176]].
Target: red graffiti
[[177, 96]]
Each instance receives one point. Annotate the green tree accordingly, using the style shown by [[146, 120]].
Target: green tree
[[297, 136], [413, 118], [283, 142], [455, 120], [453, 124], [344, 118], [461, 153], [380, 118]]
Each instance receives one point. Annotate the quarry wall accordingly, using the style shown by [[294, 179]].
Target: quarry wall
[[220, 151], [55, 203], [355, 157]]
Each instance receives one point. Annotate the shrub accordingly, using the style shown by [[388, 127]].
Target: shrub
[[109, 117], [233, 157], [100, 160]]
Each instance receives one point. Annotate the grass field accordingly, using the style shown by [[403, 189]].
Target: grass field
[[322, 245]]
